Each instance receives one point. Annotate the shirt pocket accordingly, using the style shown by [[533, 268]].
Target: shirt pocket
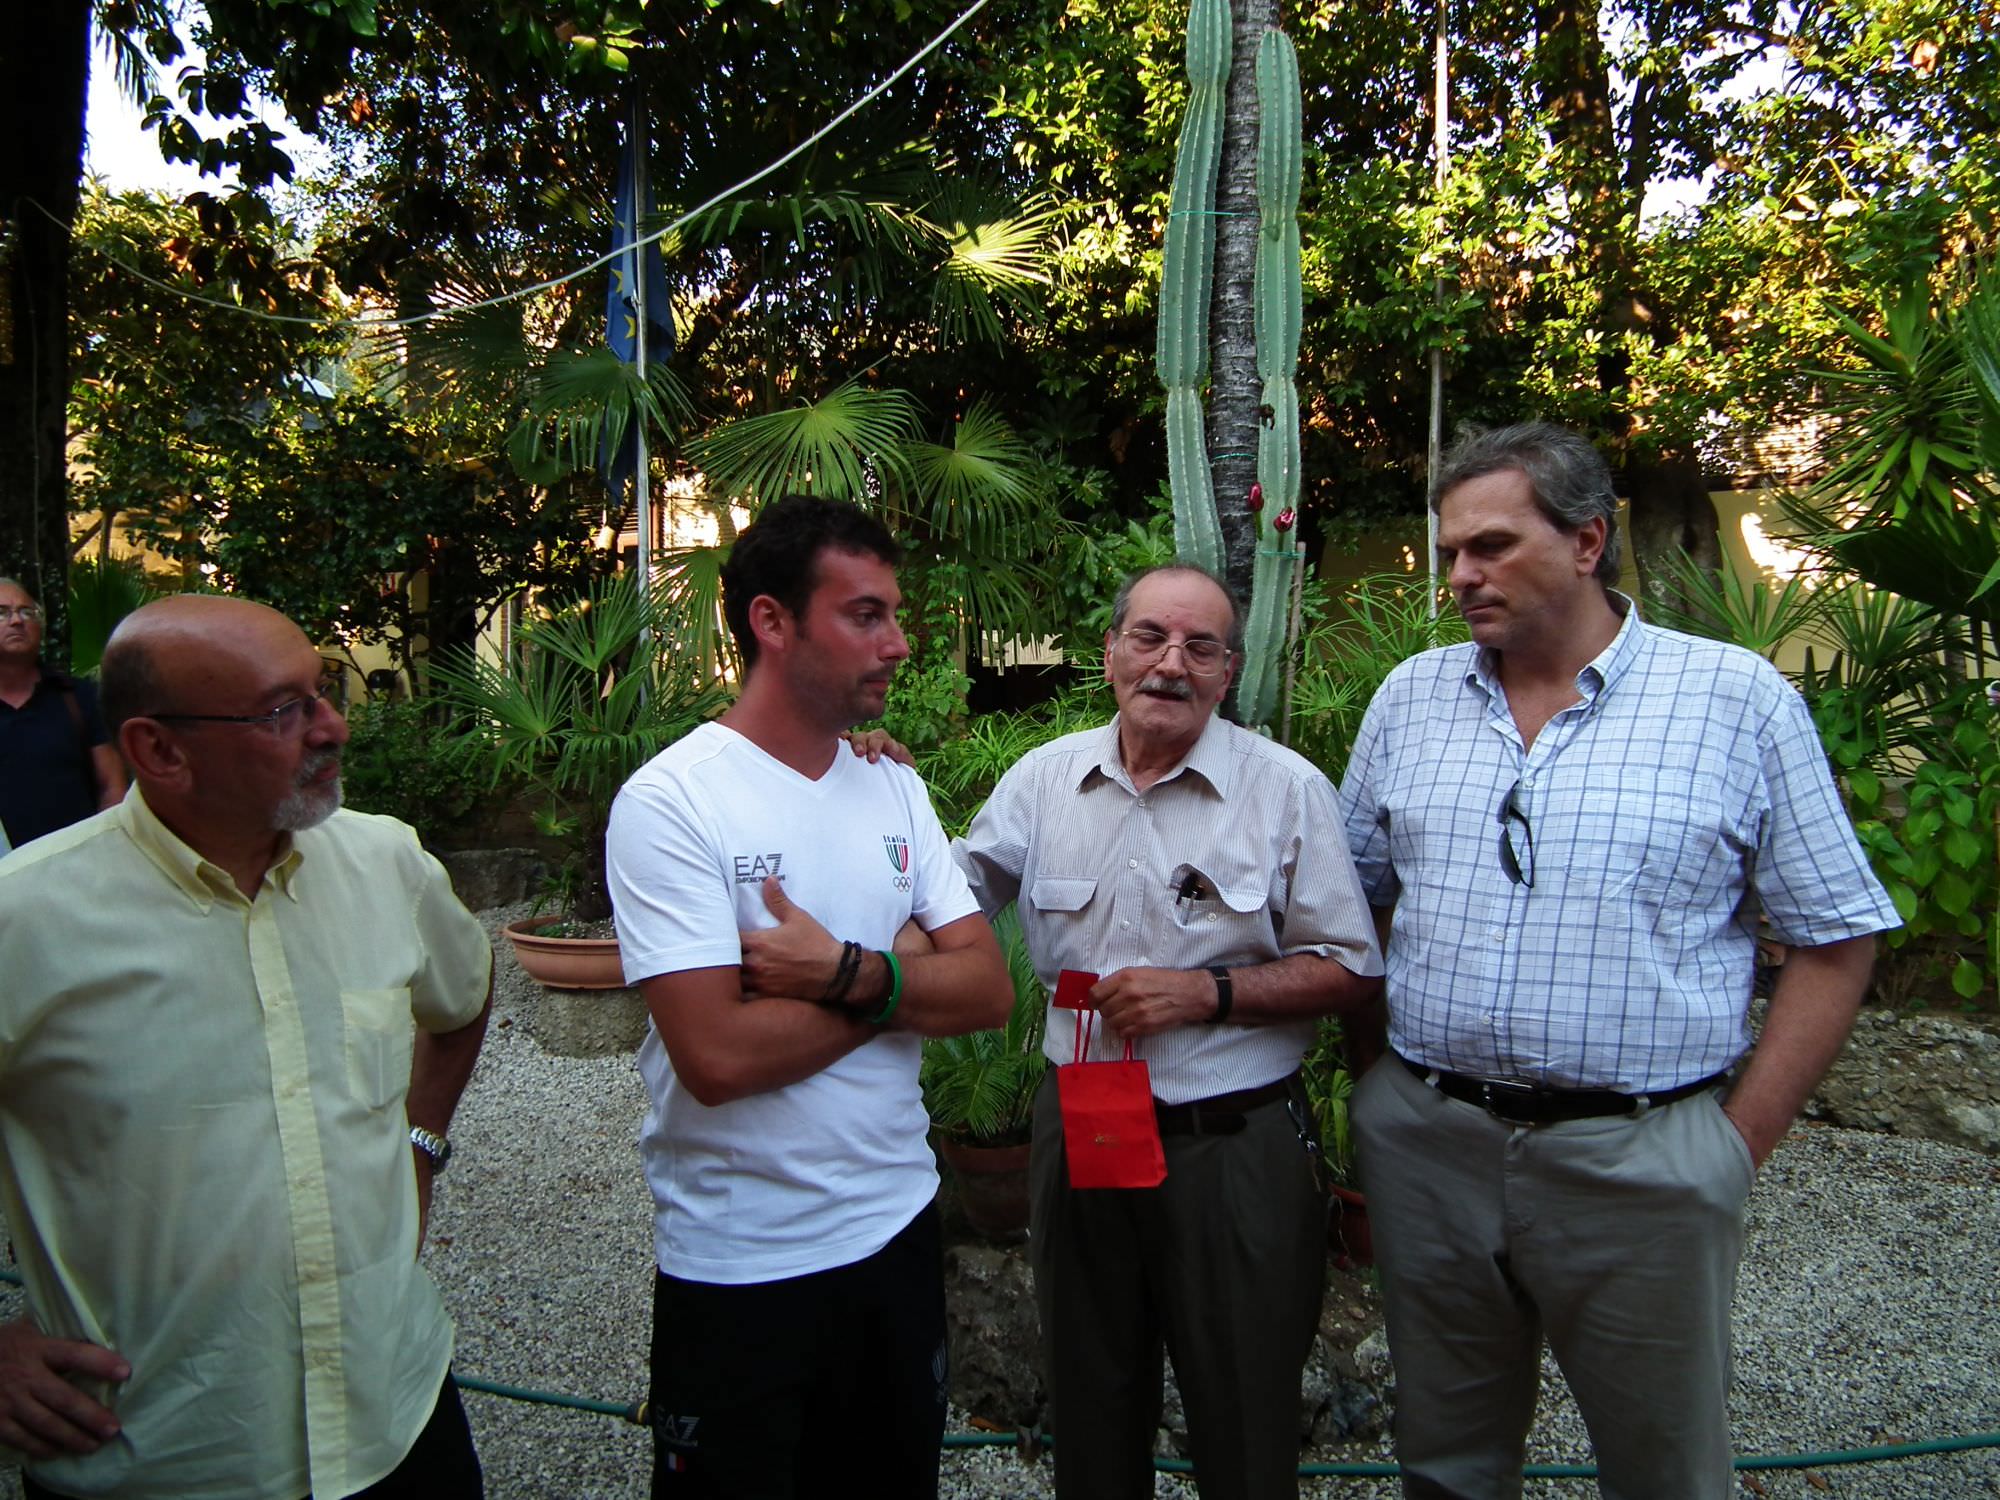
[[380, 1039], [1061, 893], [1220, 909]]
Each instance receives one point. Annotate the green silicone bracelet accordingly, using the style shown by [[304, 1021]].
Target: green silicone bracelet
[[881, 1017]]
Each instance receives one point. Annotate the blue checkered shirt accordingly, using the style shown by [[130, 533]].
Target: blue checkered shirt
[[1685, 789]]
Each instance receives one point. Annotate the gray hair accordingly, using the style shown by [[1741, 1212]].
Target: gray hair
[[1569, 478], [15, 583], [1123, 602]]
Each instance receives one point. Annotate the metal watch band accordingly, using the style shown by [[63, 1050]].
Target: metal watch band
[[433, 1145]]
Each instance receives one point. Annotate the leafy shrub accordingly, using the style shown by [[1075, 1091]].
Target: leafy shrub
[[981, 1087], [1933, 846], [398, 761]]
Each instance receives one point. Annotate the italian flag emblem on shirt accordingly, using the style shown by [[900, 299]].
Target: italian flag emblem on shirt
[[898, 850]]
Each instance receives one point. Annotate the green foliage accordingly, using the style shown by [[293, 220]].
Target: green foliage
[[1097, 556], [1747, 613], [1932, 842], [580, 703], [963, 770], [1329, 1086], [1354, 641], [980, 1087], [101, 593], [974, 513], [927, 694], [1907, 500], [401, 761]]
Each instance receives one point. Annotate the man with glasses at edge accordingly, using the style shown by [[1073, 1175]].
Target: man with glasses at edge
[[234, 1025], [1200, 870], [1571, 824], [55, 764]]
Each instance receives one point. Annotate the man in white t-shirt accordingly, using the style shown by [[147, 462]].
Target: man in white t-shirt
[[799, 1306]]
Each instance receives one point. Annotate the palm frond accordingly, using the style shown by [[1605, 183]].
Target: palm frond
[[823, 447], [1746, 613], [981, 489], [583, 402], [995, 252], [689, 580]]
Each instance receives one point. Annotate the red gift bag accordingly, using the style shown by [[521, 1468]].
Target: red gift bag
[[1110, 1134]]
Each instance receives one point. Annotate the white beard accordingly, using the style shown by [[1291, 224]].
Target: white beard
[[308, 806]]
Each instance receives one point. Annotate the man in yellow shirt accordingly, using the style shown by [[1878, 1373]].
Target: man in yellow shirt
[[234, 1024]]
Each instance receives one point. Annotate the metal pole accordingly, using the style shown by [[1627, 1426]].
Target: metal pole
[[1442, 155], [642, 479]]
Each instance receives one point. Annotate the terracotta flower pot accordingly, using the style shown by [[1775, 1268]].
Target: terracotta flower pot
[[1347, 1229], [565, 963], [992, 1185]]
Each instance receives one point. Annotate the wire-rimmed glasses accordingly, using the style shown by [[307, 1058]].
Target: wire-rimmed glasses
[[1204, 656], [288, 720]]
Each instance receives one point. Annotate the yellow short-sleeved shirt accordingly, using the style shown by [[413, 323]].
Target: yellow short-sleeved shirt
[[204, 1155]]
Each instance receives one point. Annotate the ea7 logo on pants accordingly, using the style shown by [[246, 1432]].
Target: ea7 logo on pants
[[752, 869], [679, 1431]]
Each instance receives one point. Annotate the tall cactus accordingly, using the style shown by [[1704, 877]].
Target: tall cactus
[[1277, 304], [1187, 276]]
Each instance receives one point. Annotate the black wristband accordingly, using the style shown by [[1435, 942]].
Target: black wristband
[[843, 976], [1225, 994]]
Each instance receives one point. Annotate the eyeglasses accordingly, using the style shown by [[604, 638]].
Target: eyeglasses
[[1202, 656], [27, 612], [1520, 871], [289, 719]]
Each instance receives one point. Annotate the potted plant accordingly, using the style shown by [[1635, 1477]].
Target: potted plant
[[587, 692], [980, 1091], [1329, 1086]]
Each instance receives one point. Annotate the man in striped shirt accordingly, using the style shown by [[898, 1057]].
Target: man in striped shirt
[[1576, 819], [1199, 870]]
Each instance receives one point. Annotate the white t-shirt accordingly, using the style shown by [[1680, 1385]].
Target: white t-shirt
[[825, 1171]]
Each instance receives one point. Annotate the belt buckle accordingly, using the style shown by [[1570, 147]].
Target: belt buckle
[[1496, 1094]]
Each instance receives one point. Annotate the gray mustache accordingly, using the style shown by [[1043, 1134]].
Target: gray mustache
[[316, 762], [1172, 687]]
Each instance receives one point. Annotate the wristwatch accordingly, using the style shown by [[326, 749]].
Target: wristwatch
[[433, 1145]]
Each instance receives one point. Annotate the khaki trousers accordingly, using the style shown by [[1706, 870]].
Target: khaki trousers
[[1617, 1239], [1223, 1264]]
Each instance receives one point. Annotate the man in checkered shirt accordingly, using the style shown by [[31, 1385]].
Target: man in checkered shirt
[[1571, 825]]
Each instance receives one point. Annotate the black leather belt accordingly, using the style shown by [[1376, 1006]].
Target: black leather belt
[[1525, 1104], [1221, 1115]]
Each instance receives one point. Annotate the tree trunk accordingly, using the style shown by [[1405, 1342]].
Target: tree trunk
[[1235, 393], [1670, 512], [44, 76]]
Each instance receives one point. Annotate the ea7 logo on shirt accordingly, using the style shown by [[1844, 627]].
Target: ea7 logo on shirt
[[754, 869], [898, 849]]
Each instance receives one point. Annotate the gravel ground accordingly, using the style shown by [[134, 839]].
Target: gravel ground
[[1868, 1310]]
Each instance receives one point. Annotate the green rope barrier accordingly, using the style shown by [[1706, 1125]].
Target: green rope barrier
[[1879, 1453], [635, 1413]]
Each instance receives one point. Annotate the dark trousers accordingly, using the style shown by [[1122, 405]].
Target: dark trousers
[[441, 1464], [1224, 1264], [829, 1383]]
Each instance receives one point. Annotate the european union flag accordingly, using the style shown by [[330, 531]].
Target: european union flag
[[621, 308]]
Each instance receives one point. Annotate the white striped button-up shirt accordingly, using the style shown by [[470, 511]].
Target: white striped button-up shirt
[[1248, 828], [1685, 789]]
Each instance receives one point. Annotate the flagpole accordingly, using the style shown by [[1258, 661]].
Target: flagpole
[[642, 480], [1441, 165]]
